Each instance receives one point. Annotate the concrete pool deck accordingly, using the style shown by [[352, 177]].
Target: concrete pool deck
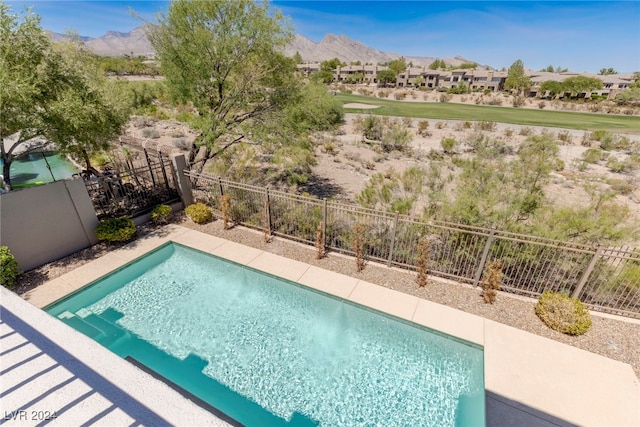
[[529, 380]]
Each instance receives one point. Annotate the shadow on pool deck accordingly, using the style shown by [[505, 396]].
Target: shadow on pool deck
[[502, 411], [52, 394]]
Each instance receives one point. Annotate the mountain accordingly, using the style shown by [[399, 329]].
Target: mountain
[[135, 42], [347, 50], [114, 43]]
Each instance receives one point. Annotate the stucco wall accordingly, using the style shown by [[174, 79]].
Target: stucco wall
[[44, 223]]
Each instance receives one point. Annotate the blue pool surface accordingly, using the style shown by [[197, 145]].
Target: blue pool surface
[[266, 351]]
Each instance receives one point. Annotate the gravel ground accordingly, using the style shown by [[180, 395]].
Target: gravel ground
[[609, 337]]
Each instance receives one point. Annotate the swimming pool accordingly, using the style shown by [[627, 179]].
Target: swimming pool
[[269, 352], [33, 169]]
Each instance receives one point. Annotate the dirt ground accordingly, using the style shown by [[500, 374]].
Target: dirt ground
[[350, 162], [345, 163]]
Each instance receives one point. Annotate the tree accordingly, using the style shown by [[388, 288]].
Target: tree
[[579, 84], [553, 87], [437, 64], [517, 80], [298, 58], [386, 76], [330, 64], [398, 65], [323, 76], [628, 97], [418, 81], [225, 58], [607, 71], [50, 94], [558, 69]]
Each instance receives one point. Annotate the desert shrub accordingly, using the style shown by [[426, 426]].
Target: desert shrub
[[357, 242], [448, 144], [525, 131], [615, 165], [372, 128], [407, 121], [396, 138], [400, 95], [605, 138], [150, 133], [225, 208], [161, 214], [424, 253], [542, 104], [441, 125], [563, 313], [565, 136], [518, 101], [115, 230], [445, 97], [593, 155], [485, 126], [329, 148], [369, 164], [628, 165], [8, 268], [622, 143], [199, 213], [423, 126], [623, 186], [508, 132], [491, 282], [493, 101]]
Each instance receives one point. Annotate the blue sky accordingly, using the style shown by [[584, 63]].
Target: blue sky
[[579, 35]]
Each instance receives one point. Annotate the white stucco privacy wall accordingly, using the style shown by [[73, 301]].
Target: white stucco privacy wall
[[44, 223]]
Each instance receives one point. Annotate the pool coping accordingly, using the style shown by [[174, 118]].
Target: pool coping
[[528, 378]]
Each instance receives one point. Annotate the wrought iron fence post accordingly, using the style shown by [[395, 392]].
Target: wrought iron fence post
[[164, 172], [153, 178], [393, 239], [485, 253], [324, 223], [267, 210], [220, 186], [587, 272]]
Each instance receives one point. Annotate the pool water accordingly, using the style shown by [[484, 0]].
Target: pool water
[[32, 169], [266, 351]]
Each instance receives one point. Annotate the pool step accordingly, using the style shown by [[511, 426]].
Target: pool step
[[80, 325], [110, 332]]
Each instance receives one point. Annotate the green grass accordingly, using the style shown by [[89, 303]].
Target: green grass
[[516, 116]]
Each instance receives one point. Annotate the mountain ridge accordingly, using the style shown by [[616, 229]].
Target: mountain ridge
[[135, 42]]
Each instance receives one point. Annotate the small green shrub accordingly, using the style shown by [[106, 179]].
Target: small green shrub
[[199, 213], [448, 144], [594, 155], [116, 230], [563, 313], [161, 214], [8, 268], [150, 133]]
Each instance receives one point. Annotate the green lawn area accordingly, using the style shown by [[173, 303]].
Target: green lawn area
[[516, 116]]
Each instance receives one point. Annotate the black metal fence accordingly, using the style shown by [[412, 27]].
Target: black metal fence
[[605, 279], [135, 183]]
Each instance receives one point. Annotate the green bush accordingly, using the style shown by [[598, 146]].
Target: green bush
[[594, 155], [161, 214], [116, 230], [448, 144], [8, 268], [563, 313], [199, 213]]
